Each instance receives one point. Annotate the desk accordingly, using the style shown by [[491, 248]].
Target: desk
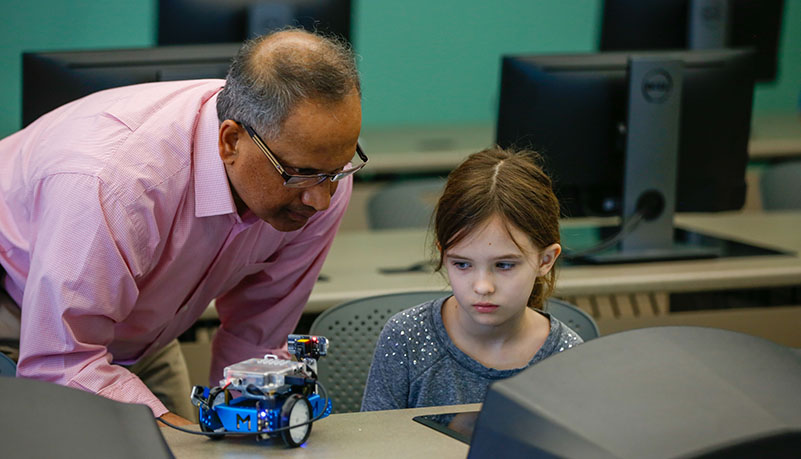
[[775, 136], [351, 269], [434, 149], [619, 297], [350, 435], [352, 266]]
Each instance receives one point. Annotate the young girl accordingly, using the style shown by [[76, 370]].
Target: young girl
[[497, 235]]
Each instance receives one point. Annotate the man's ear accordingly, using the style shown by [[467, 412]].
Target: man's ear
[[230, 134], [548, 258]]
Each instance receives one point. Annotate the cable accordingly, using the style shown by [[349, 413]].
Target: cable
[[628, 226], [195, 432], [324, 394]]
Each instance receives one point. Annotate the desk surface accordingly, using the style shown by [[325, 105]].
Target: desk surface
[[351, 269], [396, 150], [352, 266], [350, 435]]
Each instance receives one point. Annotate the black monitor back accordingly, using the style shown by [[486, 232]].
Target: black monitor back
[[51, 79], [572, 109], [216, 21], [660, 392], [663, 24], [42, 419]]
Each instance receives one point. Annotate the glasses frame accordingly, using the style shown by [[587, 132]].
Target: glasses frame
[[302, 181]]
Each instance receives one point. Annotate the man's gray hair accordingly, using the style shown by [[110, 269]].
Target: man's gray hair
[[267, 80]]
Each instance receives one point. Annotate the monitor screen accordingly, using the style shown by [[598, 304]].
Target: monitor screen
[[574, 110], [215, 21], [668, 24], [51, 79]]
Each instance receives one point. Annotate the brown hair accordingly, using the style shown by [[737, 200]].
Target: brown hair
[[509, 184]]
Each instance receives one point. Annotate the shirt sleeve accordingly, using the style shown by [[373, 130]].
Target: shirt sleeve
[[79, 286], [257, 315], [387, 385]]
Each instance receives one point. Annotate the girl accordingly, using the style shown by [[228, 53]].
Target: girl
[[497, 235]]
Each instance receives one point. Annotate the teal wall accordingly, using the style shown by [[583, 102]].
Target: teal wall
[[422, 61]]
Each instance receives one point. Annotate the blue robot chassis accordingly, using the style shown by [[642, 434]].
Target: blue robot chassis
[[277, 397]]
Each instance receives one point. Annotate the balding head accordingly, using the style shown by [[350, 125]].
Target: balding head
[[272, 74]]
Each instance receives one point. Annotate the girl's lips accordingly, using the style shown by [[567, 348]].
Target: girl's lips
[[485, 307]]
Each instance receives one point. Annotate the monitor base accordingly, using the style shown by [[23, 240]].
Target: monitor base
[[687, 245], [676, 252]]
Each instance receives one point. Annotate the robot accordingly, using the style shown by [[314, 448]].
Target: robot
[[276, 397]]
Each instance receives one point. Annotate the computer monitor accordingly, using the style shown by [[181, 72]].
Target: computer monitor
[[51, 79], [679, 121], [652, 392], [216, 21], [695, 24]]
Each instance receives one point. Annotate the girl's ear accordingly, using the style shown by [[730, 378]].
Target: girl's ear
[[548, 257]]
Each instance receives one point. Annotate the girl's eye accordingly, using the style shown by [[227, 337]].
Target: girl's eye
[[461, 264], [504, 265]]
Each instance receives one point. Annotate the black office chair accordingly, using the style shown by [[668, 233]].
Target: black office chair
[[353, 328]]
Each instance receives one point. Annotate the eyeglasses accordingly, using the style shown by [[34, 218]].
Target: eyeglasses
[[303, 181]]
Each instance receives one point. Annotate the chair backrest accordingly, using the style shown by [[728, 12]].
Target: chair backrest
[[404, 204], [575, 318], [780, 186], [7, 366], [353, 328]]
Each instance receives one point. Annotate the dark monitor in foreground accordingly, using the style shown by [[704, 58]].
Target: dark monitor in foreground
[[659, 392], [629, 25], [218, 21], [43, 419], [635, 135], [51, 79]]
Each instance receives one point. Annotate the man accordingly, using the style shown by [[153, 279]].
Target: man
[[126, 212]]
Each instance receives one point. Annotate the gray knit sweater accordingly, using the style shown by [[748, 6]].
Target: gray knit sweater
[[415, 363]]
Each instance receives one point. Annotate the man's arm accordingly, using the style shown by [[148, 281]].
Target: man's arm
[[79, 286]]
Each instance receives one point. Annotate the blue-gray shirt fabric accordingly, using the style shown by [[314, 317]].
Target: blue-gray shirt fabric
[[415, 363]]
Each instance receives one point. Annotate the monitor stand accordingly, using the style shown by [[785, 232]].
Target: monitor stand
[[652, 143]]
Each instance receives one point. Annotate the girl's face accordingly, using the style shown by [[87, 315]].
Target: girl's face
[[491, 277]]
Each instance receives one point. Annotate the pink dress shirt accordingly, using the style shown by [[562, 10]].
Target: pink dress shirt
[[118, 227]]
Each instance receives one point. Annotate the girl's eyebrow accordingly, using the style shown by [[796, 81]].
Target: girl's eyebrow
[[514, 256]]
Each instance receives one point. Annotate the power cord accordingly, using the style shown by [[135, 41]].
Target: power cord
[[627, 228]]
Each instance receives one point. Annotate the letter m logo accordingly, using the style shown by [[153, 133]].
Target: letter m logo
[[242, 420]]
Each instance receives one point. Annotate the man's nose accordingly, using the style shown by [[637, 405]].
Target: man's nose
[[318, 197]]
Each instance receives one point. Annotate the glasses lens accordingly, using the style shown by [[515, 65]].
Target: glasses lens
[[345, 173], [303, 182], [306, 181]]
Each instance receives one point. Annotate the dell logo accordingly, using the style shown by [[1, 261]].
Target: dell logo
[[656, 86]]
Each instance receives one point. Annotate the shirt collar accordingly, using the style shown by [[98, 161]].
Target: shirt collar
[[212, 190]]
